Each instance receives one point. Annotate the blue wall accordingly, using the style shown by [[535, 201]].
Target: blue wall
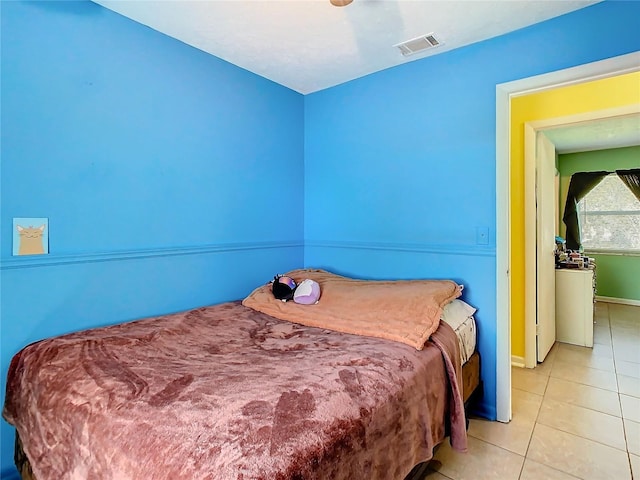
[[159, 167], [400, 165]]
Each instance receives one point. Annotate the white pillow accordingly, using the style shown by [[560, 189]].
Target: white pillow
[[456, 312]]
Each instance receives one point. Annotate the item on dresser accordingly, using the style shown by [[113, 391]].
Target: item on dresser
[[574, 260]]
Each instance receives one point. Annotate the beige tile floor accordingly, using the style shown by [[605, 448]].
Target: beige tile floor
[[577, 415]]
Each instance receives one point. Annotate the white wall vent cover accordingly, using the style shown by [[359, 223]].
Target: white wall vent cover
[[419, 44]]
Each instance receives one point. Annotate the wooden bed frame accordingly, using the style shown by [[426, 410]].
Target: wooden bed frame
[[471, 388]]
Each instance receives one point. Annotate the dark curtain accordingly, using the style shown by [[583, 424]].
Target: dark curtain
[[631, 179], [581, 183]]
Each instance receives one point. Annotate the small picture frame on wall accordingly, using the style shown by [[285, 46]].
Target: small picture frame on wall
[[30, 236]]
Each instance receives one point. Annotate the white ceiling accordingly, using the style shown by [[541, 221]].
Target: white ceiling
[[310, 45], [614, 132]]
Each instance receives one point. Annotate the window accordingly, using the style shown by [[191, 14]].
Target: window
[[610, 217]]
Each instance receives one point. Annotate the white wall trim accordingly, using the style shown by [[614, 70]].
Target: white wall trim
[[470, 250], [504, 92], [622, 301], [503, 253], [517, 361], [529, 247], [578, 118], [610, 67], [30, 261]]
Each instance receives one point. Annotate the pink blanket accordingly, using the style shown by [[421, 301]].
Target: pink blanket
[[406, 311], [225, 392]]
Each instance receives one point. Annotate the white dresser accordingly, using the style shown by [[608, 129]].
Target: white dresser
[[575, 297]]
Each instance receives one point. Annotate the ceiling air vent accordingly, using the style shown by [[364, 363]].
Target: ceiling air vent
[[420, 44]]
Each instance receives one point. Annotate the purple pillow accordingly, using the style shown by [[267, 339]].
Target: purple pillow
[[307, 292]]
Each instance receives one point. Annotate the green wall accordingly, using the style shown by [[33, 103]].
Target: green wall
[[617, 275], [613, 159]]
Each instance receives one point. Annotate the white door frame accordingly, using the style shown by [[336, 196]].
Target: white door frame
[[504, 92]]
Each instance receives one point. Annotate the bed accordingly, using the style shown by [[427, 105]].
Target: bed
[[231, 392]]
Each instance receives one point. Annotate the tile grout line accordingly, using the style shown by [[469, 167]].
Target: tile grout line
[[624, 426], [544, 396], [573, 434], [561, 400], [587, 384], [535, 422], [590, 366], [592, 409], [610, 331], [531, 393]]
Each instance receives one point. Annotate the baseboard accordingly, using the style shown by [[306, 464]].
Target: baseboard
[[517, 361], [622, 301]]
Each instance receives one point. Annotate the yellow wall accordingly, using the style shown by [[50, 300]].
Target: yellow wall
[[586, 97]]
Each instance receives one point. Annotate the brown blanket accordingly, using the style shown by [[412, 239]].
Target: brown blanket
[[225, 392], [406, 311]]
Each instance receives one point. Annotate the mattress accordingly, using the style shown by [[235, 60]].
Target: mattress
[[228, 392], [470, 381], [465, 330]]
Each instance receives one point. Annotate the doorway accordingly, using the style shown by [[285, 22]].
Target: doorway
[[504, 94], [539, 181]]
